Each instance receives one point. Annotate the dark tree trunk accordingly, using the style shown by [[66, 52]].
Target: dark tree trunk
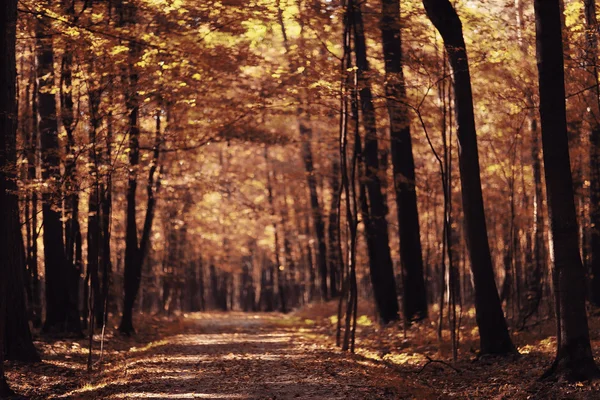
[[200, 264], [94, 233], [376, 228], [317, 213], [105, 263], [15, 337], [138, 253], [415, 296], [31, 206], [8, 131], [133, 266], [71, 210], [574, 360], [62, 314], [593, 119], [267, 296], [335, 256], [493, 331]]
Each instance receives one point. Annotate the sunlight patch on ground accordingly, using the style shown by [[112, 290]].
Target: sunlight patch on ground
[[149, 346], [149, 395], [66, 364], [89, 387]]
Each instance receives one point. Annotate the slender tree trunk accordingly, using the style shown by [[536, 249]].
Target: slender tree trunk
[[376, 228], [105, 189], [32, 223], [335, 256], [574, 360], [415, 296], [493, 331], [62, 314], [94, 233]]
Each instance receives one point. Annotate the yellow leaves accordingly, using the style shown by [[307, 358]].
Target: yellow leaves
[[364, 320], [72, 32], [196, 76], [118, 49]]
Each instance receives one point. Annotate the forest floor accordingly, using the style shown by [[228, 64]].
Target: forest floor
[[237, 355]]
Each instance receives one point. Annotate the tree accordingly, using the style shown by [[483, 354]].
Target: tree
[[493, 331], [62, 313], [376, 228], [574, 360], [592, 117], [411, 258], [11, 281]]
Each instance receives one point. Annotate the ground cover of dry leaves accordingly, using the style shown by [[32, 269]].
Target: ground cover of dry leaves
[[235, 355]]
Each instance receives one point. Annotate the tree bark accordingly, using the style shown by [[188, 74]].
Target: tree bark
[[593, 120], [493, 331], [15, 337], [411, 257], [574, 360], [8, 130], [376, 228]]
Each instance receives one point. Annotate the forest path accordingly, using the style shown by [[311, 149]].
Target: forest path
[[250, 356]]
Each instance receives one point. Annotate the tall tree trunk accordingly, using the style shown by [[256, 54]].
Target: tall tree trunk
[[593, 120], [32, 250], [15, 337], [415, 296], [574, 360], [68, 118], [493, 331], [94, 233], [8, 131], [62, 314], [105, 189], [136, 252], [376, 228]]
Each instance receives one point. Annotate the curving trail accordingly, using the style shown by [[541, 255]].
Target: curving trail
[[249, 356]]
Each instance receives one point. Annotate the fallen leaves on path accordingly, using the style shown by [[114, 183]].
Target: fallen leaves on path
[[230, 356]]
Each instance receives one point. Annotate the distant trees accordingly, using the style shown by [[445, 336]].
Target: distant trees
[[574, 359]]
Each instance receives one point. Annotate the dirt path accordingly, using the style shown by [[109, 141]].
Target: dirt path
[[249, 356]]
